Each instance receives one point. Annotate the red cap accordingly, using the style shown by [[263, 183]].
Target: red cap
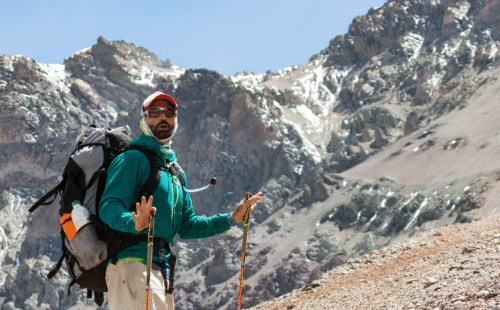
[[156, 96]]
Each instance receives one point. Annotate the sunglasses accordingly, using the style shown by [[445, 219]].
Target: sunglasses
[[156, 112]]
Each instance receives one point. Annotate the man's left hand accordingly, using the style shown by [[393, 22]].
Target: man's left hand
[[239, 212]]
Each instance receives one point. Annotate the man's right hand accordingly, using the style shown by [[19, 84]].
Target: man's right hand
[[144, 209]]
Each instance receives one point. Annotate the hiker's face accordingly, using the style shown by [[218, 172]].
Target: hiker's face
[[163, 125]]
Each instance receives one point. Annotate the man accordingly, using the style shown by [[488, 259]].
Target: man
[[173, 209]]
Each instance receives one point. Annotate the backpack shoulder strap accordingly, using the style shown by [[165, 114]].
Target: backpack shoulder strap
[[154, 175]]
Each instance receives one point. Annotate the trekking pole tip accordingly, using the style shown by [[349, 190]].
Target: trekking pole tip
[[213, 181]]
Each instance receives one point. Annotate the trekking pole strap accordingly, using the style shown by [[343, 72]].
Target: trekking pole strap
[[171, 261], [169, 283], [163, 266]]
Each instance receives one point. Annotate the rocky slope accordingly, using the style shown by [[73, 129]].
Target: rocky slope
[[452, 267], [388, 132]]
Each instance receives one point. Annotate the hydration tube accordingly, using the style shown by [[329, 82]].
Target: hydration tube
[[199, 189]]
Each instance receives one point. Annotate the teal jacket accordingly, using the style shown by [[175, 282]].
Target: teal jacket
[[126, 175]]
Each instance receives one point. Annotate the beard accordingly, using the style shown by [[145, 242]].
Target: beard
[[163, 130]]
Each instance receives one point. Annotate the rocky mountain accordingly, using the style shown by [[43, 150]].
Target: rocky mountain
[[388, 132]]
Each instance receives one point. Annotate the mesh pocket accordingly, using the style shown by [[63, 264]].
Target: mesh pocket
[[87, 248]]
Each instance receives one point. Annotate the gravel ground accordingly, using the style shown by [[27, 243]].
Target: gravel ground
[[451, 267]]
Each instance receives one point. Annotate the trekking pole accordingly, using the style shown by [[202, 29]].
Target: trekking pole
[[150, 256], [246, 220]]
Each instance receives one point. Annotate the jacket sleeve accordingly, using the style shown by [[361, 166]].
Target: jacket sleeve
[[125, 175], [195, 227]]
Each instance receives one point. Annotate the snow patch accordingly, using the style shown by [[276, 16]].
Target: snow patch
[[10, 65], [82, 51], [57, 75], [412, 196], [415, 216], [247, 79], [412, 43], [372, 219], [298, 169], [308, 147]]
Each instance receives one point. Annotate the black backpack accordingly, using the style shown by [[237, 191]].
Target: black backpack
[[87, 243]]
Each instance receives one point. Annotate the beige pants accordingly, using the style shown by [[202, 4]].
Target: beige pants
[[127, 288]]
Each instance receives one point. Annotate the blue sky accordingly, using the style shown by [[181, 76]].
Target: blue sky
[[227, 36]]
